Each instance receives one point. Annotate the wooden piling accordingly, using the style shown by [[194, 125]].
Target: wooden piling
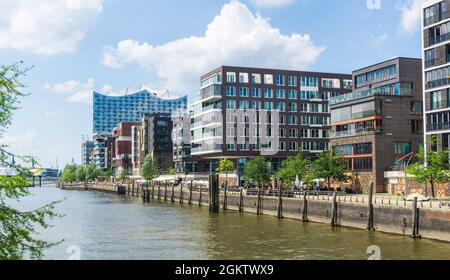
[[214, 203], [258, 202], [159, 191], [241, 201], [415, 219], [305, 208], [225, 196], [181, 193], [200, 196], [334, 221], [153, 191], [172, 196], [190, 192], [370, 224], [165, 191], [280, 200]]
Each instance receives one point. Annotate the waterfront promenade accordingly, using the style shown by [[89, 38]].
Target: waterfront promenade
[[391, 215]]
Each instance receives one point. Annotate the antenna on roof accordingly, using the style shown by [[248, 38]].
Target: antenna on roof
[[126, 92], [142, 85]]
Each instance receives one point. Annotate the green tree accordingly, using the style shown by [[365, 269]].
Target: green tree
[[80, 173], [330, 167], [293, 167], [171, 171], [18, 235], [434, 172], [149, 170], [92, 172], [258, 169], [68, 174], [226, 166]]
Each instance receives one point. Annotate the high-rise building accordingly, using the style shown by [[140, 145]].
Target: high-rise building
[[380, 123], [247, 112], [436, 67], [108, 111], [87, 152], [100, 145]]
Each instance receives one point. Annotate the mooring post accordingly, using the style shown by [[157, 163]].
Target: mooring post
[[225, 196], [40, 181], [241, 201], [159, 191], [165, 191], [153, 191], [172, 196], [132, 191], [280, 200], [200, 196], [370, 225], [144, 197], [190, 192], [181, 193], [258, 202], [214, 193], [334, 210], [305, 207], [415, 219], [33, 183]]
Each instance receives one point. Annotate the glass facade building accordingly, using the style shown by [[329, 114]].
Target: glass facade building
[[108, 111]]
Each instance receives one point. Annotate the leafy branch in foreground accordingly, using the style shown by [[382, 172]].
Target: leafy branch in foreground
[[18, 228]]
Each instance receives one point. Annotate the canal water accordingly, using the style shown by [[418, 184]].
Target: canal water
[[106, 226]]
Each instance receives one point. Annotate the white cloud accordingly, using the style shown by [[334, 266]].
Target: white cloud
[[81, 92], [380, 39], [20, 143], [235, 37], [46, 27], [272, 3], [410, 16]]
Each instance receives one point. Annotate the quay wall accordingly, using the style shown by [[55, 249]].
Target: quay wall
[[433, 223]]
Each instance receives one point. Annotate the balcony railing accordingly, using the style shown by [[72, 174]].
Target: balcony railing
[[206, 149], [438, 126], [430, 63], [358, 132], [439, 105], [436, 18], [439, 39], [210, 91], [371, 92], [437, 83]]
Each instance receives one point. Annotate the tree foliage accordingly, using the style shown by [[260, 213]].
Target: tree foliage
[[149, 169], [18, 235], [432, 169], [258, 170], [330, 167], [68, 175], [293, 167]]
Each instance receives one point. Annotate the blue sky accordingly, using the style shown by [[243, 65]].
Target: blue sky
[[77, 45]]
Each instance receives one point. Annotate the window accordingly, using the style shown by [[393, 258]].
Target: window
[[256, 92], [303, 107], [280, 93], [279, 80], [243, 78], [416, 107], [331, 83], [293, 107], [231, 77], [314, 133], [268, 93], [376, 76], [282, 132], [304, 133], [243, 104], [231, 91], [282, 146], [309, 81], [362, 164], [292, 94], [256, 79], [402, 148], [268, 79], [293, 133], [268, 106], [231, 104], [243, 92], [417, 126], [281, 106], [362, 149], [256, 105], [292, 81], [293, 146], [292, 120], [430, 58], [347, 84]]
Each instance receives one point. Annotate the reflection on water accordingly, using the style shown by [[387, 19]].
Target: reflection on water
[[106, 226]]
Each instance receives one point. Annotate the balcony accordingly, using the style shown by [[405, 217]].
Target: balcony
[[437, 83], [438, 105], [398, 89], [430, 63], [358, 132], [438, 127], [436, 18], [206, 149], [211, 92], [439, 39]]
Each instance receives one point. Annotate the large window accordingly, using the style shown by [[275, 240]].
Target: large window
[[430, 58], [437, 78], [376, 76], [309, 81], [435, 13], [280, 80], [402, 148], [256, 79], [362, 164], [231, 77]]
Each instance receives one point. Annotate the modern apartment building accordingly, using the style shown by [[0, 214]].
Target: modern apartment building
[[154, 138], [247, 112], [122, 160], [380, 122], [100, 143], [109, 110], [87, 152], [436, 67]]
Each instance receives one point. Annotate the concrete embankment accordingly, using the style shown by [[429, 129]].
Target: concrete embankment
[[397, 219]]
